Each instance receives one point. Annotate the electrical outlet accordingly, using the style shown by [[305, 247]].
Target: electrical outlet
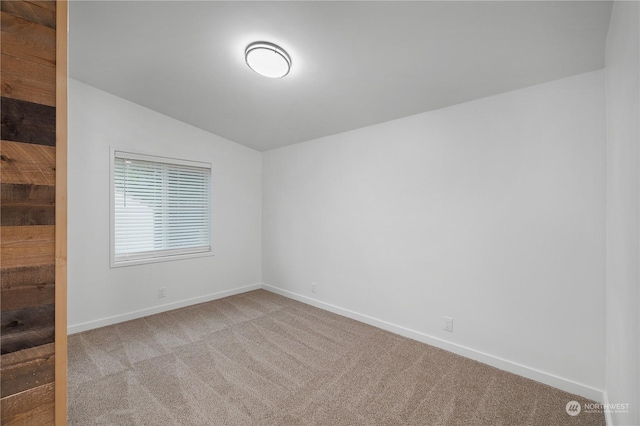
[[313, 287], [161, 292], [448, 324]]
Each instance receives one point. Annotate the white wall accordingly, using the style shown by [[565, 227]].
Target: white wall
[[623, 212], [99, 295], [491, 212]]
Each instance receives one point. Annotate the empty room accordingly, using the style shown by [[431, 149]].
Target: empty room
[[321, 213]]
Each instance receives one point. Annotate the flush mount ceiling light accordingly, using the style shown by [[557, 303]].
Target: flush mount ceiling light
[[267, 59]]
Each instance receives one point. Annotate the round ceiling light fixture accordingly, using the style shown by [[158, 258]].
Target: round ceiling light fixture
[[267, 59]]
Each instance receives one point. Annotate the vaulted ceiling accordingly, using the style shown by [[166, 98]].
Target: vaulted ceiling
[[354, 63]]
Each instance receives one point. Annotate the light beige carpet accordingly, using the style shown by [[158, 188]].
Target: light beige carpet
[[262, 359]]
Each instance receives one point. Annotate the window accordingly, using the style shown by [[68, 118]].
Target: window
[[160, 209]]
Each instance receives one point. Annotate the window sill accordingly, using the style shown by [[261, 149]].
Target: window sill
[[158, 259]]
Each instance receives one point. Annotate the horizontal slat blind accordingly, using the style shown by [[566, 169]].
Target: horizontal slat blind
[[160, 209]]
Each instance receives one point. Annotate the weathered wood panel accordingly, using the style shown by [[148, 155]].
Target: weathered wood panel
[[26, 369], [26, 296], [20, 320], [26, 328], [27, 122], [22, 205], [37, 12], [31, 85], [27, 215], [26, 287], [27, 80], [27, 40], [22, 276], [27, 195], [27, 245], [26, 339], [47, 4], [24, 163], [33, 407]]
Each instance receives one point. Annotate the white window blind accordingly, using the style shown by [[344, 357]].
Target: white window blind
[[161, 207]]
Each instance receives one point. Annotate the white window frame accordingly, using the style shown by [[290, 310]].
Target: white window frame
[[169, 256]]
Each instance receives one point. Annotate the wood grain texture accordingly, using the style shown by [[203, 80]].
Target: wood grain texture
[[25, 163], [27, 194], [27, 245], [31, 11], [26, 328], [23, 276], [27, 122], [27, 81], [26, 369], [29, 88], [22, 205], [21, 320], [27, 215], [27, 296], [33, 407], [27, 286], [27, 40], [26, 339], [62, 75], [47, 4]]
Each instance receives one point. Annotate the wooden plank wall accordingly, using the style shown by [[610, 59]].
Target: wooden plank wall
[[28, 212]]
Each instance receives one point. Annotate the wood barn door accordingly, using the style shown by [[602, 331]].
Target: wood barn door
[[33, 226]]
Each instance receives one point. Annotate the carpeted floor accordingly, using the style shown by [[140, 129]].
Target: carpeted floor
[[262, 359]]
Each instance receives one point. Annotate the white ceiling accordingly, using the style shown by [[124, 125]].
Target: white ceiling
[[354, 63]]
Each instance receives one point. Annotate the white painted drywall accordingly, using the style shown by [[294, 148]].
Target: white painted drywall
[[623, 212], [99, 295], [491, 212]]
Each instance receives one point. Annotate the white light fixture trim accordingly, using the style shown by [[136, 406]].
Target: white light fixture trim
[[267, 59]]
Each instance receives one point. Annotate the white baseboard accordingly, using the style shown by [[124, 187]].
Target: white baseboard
[[77, 328], [494, 361]]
